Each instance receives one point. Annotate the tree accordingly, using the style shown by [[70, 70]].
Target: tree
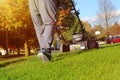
[[16, 19], [99, 28], [106, 15], [23, 24], [89, 30], [115, 29], [66, 19]]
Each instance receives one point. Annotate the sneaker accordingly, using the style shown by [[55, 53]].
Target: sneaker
[[44, 57], [48, 56]]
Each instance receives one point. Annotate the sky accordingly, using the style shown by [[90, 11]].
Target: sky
[[89, 8]]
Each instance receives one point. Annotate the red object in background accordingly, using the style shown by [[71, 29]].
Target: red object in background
[[113, 39]]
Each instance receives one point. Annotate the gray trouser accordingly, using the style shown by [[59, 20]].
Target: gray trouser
[[43, 13]]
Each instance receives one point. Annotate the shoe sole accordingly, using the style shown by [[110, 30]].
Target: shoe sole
[[43, 57]]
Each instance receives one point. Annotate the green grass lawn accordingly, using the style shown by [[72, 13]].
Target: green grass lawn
[[97, 64]]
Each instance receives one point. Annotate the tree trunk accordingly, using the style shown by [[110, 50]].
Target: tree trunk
[[27, 49], [18, 50]]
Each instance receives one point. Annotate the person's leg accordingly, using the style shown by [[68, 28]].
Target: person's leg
[[47, 10], [39, 28], [37, 21], [43, 14]]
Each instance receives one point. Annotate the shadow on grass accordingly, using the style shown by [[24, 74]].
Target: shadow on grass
[[62, 55], [10, 59], [11, 62]]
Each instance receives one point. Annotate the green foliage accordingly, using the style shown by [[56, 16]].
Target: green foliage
[[97, 64], [15, 17]]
